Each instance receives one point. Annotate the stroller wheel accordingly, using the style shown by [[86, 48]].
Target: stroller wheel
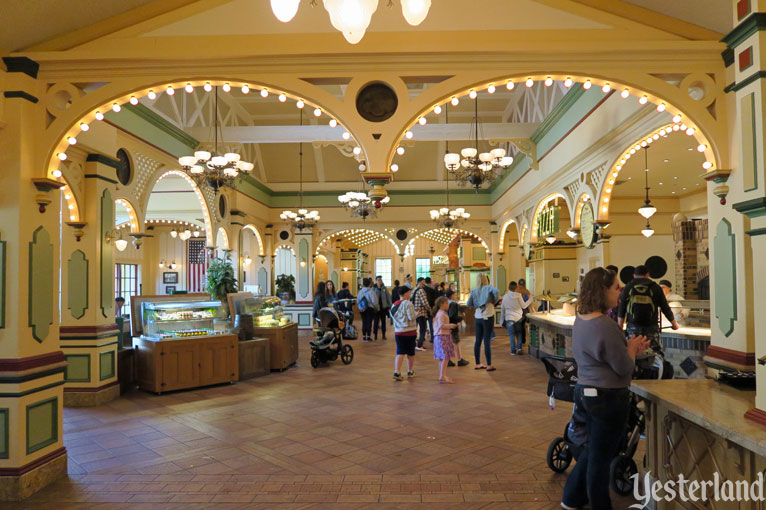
[[621, 471], [559, 456], [314, 360], [347, 354]]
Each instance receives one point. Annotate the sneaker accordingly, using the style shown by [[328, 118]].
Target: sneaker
[[398, 376], [513, 353], [567, 507], [420, 348], [462, 363], [451, 363], [366, 339], [411, 374]]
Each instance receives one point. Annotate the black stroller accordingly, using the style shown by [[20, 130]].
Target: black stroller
[[345, 308], [328, 344], [562, 377]]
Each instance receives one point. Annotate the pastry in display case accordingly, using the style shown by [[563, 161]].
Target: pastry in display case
[[266, 311], [170, 320]]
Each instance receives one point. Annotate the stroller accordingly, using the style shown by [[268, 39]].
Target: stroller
[[346, 309], [562, 377], [328, 344]]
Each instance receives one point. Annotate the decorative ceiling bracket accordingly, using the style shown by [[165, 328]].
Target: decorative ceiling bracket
[[525, 145], [78, 227], [44, 186], [719, 177], [345, 148]]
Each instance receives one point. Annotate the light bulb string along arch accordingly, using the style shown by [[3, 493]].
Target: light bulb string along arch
[[303, 218]]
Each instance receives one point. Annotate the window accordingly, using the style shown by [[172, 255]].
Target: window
[[422, 268], [383, 269], [126, 283]]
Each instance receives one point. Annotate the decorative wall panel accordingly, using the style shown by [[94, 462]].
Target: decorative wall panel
[[725, 262], [4, 433], [263, 280], [106, 365], [2, 284], [106, 269], [501, 283], [77, 274], [749, 140], [40, 284], [303, 256], [78, 368], [42, 424]]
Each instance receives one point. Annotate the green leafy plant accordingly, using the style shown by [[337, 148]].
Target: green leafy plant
[[286, 284], [221, 280]]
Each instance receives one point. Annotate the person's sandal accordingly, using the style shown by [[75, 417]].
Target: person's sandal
[[480, 367], [491, 369]]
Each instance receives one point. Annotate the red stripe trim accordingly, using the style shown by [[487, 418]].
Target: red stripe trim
[[732, 356], [90, 390], [92, 330], [756, 415], [34, 464], [22, 364]]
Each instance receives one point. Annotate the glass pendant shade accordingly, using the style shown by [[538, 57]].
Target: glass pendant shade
[[415, 11], [468, 152], [121, 244], [550, 239], [174, 233], [647, 210], [202, 155], [451, 160], [351, 17], [187, 160], [285, 10], [648, 231]]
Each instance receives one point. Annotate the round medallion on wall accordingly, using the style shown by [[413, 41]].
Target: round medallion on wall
[[587, 226], [222, 206], [376, 102], [124, 167], [284, 235], [401, 234]]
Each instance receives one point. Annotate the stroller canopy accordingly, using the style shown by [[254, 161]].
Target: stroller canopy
[[328, 318]]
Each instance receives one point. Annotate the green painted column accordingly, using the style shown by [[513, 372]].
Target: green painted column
[[89, 335], [32, 452]]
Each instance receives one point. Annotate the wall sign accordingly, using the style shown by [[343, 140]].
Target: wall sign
[[548, 221]]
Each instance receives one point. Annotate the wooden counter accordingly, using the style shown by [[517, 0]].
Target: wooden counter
[[283, 344], [181, 363]]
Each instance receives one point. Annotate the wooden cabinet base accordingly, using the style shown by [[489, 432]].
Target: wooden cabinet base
[[178, 364], [283, 345], [254, 358]]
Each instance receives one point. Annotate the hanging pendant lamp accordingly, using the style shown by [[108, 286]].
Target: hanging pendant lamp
[[647, 210]]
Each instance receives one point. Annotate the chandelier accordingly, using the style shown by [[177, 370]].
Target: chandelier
[[361, 204], [352, 17], [213, 169], [647, 210], [471, 166], [303, 218], [446, 217]]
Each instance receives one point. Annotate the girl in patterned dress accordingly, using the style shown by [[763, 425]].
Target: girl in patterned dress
[[444, 349]]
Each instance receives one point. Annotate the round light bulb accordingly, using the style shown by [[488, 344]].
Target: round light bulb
[[170, 90], [394, 168], [133, 100], [568, 82], [188, 88], [226, 87], [400, 150], [317, 112], [116, 108], [661, 107], [207, 87], [71, 140], [491, 89], [643, 100], [587, 85], [455, 101], [346, 135], [624, 94], [707, 165], [61, 156], [57, 173], [510, 85], [437, 109], [529, 82], [151, 95], [84, 126], [245, 89], [99, 116], [300, 103], [422, 121], [408, 135], [606, 88], [701, 147], [357, 150], [265, 93], [548, 81], [333, 123], [282, 98], [676, 119], [690, 131]]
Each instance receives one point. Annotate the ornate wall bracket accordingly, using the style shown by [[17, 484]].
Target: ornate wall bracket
[[78, 227], [719, 177], [44, 186], [526, 146], [138, 238]]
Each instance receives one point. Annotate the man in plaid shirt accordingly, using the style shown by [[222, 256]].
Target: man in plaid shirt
[[423, 311]]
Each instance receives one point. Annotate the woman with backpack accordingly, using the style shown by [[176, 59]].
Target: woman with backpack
[[405, 333], [367, 304], [483, 299]]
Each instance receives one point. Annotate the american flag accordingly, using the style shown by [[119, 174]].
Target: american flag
[[196, 262]]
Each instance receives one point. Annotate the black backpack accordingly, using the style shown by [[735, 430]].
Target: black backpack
[[641, 307]]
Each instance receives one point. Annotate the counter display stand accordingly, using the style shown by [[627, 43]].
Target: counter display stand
[[271, 323], [184, 345]]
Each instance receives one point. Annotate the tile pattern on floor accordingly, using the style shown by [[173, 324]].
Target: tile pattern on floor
[[335, 437]]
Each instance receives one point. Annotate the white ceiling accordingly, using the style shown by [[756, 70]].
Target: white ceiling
[[712, 14]]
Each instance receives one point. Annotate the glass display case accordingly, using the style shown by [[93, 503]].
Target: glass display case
[[266, 311], [170, 320]]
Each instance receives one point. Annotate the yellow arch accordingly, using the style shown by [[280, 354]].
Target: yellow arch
[[133, 221], [254, 230], [286, 247], [225, 236], [581, 201], [410, 245], [200, 197], [505, 226], [344, 230], [540, 205]]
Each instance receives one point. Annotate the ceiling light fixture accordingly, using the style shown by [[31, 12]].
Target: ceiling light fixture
[[647, 210], [444, 217], [302, 218]]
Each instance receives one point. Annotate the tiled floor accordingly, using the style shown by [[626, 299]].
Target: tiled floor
[[335, 437]]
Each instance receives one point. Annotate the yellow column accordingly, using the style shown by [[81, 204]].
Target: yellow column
[[32, 452], [89, 335]]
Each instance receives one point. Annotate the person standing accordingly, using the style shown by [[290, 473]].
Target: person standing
[[395, 292], [420, 300], [408, 282], [444, 349], [320, 300], [455, 317], [521, 329], [384, 303], [405, 325], [511, 315], [330, 290], [482, 300], [674, 302], [605, 364], [119, 302], [367, 303], [615, 309], [431, 294], [639, 302]]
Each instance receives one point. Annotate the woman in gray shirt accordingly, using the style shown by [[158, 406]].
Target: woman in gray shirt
[[605, 364]]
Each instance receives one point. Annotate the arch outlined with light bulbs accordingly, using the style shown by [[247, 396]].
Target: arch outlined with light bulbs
[[134, 221], [503, 229], [542, 203], [604, 194], [662, 94], [584, 197], [285, 247], [336, 232], [223, 235], [161, 174], [410, 247], [90, 106], [252, 228]]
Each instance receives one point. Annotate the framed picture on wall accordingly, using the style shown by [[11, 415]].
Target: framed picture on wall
[[170, 277], [564, 278], [170, 289]]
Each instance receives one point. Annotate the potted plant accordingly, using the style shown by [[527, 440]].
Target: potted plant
[[221, 281], [286, 287]]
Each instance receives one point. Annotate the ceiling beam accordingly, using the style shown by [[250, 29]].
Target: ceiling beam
[[295, 134]]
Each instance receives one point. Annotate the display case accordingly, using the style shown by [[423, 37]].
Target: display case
[[171, 320], [266, 311]]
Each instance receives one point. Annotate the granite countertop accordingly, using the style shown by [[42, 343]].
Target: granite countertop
[[556, 317], [711, 405], [688, 331]]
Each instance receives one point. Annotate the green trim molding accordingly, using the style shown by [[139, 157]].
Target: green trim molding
[[20, 94], [106, 365], [745, 82], [21, 65], [42, 424], [40, 316], [5, 425], [754, 208], [94, 157], [77, 283], [756, 22], [78, 368], [3, 259], [725, 262], [303, 270], [756, 232]]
